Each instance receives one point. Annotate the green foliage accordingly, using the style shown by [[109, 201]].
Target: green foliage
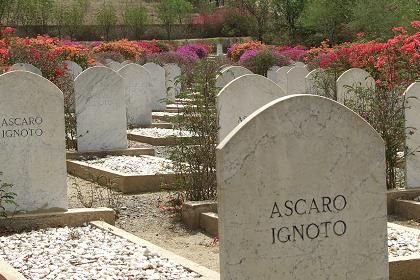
[[172, 11], [237, 24], [106, 17], [5, 8], [287, 13], [384, 111], [135, 16], [195, 160], [7, 197], [327, 17], [72, 16]]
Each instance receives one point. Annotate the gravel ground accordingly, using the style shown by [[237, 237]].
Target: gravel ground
[[403, 242], [147, 216], [163, 114], [85, 253], [134, 165], [160, 151], [160, 132]]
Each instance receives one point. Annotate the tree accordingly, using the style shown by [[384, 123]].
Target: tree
[[259, 9], [107, 18], [327, 17], [43, 13], [169, 11], [135, 17], [287, 13], [5, 9], [74, 16], [25, 13]]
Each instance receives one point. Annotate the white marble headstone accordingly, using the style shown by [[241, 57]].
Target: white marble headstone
[[241, 97], [25, 67], [172, 82], [354, 77], [158, 86], [412, 124], [296, 82], [229, 74], [100, 110], [300, 64], [73, 68], [312, 80], [115, 65], [33, 152], [219, 49], [138, 93], [271, 73], [302, 194], [281, 77]]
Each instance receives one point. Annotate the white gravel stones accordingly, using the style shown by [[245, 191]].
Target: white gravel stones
[[403, 242], [85, 253], [161, 132], [165, 114], [134, 165]]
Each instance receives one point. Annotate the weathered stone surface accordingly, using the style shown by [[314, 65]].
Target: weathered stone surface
[[412, 124], [271, 73], [281, 77], [241, 97], [138, 93], [100, 110], [219, 49], [302, 194], [229, 74], [173, 85], [296, 83], [158, 88], [115, 65], [25, 67], [313, 81], [354, 77], [33, 153], [73, 68]]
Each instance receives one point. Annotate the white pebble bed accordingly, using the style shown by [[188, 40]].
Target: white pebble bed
[[134, 165], [165, 114], [85, 253], [403, 242], [161, 132]]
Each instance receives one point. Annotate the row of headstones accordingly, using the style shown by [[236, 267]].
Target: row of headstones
[[247, 93], [297, 79], [162, 78]]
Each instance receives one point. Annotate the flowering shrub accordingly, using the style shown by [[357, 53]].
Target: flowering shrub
[[294, 53], [194, 51], [128, 49], [260, 60], [76, 52], [236, 50]]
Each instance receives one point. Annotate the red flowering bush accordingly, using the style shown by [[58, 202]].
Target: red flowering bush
[[128, 49]]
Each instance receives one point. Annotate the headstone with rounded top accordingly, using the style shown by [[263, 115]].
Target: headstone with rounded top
[[33, 152], [229, 74], [241, 97], [74, 68], [138, 93], [350, 80], [25, 67], [281, 77], [100, 110], [271, 73], [158, 89], [172, 81], [296, 83], [302, 194], [412, 124]]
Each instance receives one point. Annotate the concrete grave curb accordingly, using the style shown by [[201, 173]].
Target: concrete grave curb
[[122, 152]]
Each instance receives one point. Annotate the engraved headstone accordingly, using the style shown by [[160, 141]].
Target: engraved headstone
[[296, 82], [412, 124], [33, 152], [354, 77], [229, 74], [172, 82], [302, 194], [100, 110], [241, 97], [138, 93], [25, 67], [158, 89]]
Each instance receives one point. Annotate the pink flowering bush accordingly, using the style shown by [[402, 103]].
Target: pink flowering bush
[[194, 51]]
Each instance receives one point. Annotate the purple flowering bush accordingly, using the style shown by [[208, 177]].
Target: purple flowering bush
[[194, 51]]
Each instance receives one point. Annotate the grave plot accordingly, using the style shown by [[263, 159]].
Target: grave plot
[[164, 116], [129, 174], [95, 251], [158, 136]]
